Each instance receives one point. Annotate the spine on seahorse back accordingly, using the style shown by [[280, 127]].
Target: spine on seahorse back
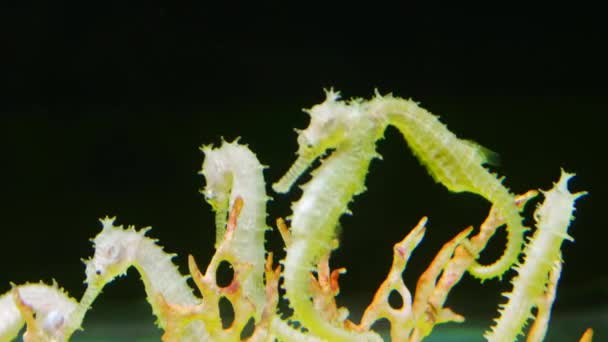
[[458, 165], [232, 171]]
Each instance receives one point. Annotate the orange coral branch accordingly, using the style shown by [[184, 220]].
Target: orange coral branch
[[400, 319]]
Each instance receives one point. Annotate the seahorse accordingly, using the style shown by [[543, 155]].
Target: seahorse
[[50, 309], [350, 130], [352, 135], [541, 253], [233, 171], [458, 165], [116, 250]]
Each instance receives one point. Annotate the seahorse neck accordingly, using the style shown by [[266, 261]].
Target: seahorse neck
[[248, 183], [344, 172], [315, 217], [160, 275], [247, 243]]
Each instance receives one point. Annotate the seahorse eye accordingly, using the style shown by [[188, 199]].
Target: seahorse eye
[[304, 141], [113, 253], [329, 124]]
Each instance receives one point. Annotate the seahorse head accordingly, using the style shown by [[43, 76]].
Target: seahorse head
[[115, 251], [218, 172], [329, 127], [218, 176]]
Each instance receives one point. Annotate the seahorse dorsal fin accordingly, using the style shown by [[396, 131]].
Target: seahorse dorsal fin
[[487, 156]]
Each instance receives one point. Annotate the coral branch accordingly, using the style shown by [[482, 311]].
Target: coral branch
[[416, 320], [462, 259], [587, 336], [402, 320], [427, 310]]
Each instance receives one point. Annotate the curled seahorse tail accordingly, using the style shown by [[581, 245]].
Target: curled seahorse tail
[[505, 202], [298, 264]]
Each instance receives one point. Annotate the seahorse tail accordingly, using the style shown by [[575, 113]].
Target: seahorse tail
[[515, 238], [298, 265]]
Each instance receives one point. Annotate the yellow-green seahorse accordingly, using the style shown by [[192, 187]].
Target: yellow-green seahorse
[[350, 130]]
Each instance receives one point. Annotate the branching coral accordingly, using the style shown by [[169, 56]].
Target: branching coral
[[344, 135]]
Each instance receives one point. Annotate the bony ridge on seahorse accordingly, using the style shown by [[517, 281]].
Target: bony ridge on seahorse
[[350, 130]]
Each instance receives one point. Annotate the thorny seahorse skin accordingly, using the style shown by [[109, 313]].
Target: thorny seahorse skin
[[353, 135], [232, 171], [50, 304], [542, 251], [458, 165], [116, 250]]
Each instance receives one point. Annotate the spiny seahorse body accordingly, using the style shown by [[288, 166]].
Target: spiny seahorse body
[[312, 235], [542, 251], [350, 130], [116, 250], [316, 214], [232, 170], [458, 165]]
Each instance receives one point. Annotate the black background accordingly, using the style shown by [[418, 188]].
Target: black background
[[105, 104]]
